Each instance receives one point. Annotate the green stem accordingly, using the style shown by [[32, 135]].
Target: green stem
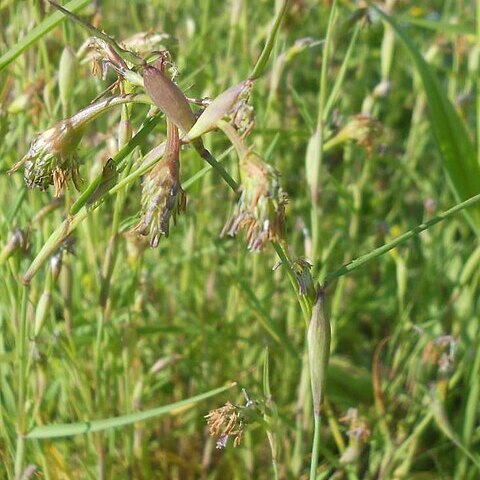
[[267, 49], [360, 261], [478, 81], [95, 32], [137, 140], [287, 263], [21, 361], [315, 446], [319, 134], [210, 159]]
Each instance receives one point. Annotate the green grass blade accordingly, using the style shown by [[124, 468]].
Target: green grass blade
[[38, 32], [377, 252], [456, 147], [70, 429], [446, 28], [259, 68]]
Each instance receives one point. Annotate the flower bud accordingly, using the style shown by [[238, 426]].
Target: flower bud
[[221, 106], [67, 75], [318, 339], [168, 98]]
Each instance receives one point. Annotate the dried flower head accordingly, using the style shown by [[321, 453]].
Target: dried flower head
[[304, 277], [162, 194], [363, 129], [261, 207], [52, 159], [231, 420], [225, 422], [19, 241]]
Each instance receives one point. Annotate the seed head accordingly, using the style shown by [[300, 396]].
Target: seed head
[[52, 159], [363, 129], [261, 207], [225, 422], [162, 194]]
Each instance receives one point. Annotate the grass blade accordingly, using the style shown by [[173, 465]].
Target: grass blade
[[455, 145], [70, 429], [38, 32]]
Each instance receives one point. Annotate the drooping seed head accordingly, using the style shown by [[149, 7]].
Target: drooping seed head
[[162, 194], [261, 207], [52, 159]]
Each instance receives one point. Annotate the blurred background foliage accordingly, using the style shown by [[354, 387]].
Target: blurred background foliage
[[190, 316]]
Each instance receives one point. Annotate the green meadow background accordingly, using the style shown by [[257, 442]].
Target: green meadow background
[[126, 330]]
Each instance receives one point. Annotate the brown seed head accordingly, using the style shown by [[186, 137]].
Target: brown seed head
[[52, 159], [261, 207], [162, 194]]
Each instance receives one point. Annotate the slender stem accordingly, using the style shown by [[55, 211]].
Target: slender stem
[[267, 49], [21, 360], [126, 54], [319, 135], [315, 446], [478, 81], [137, 140], [286, 261], [210, 159], [360, 261]]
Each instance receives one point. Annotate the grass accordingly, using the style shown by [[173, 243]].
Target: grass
[[113, 353]]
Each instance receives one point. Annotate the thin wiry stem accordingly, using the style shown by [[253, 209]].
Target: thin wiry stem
[[360, 261]]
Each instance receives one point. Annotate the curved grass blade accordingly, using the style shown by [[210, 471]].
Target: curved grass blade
[[455, 145], [38, 32], [446, 28], [70, 429]]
